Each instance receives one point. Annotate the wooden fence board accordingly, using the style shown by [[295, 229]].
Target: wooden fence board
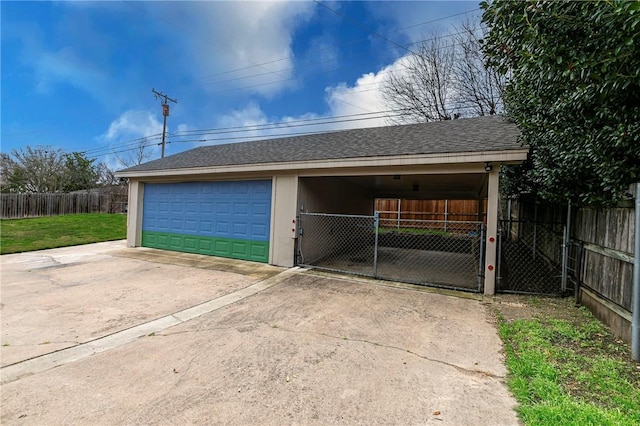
[[608, 237], [14, 206], [457, 210]]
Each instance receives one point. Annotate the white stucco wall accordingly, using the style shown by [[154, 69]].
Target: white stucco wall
[[283, 220]]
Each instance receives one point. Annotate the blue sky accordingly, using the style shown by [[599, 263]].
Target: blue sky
[[77, 76]]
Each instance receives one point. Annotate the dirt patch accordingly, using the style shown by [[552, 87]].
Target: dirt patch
[[513, 307]]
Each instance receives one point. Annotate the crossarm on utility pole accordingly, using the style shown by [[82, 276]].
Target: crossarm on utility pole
[[165, 113]]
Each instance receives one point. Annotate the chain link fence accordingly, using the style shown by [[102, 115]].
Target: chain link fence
[[435, 253], [530, 257], [337, 242]]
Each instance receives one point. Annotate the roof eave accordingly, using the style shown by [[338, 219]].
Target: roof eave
[[514, 156]]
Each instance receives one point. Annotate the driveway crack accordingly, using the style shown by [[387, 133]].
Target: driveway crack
[[474, 372]]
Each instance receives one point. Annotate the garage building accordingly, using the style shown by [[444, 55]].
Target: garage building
[[251, 200]]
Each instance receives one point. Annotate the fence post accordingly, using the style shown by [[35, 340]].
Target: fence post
[[481, 260], [535, 229], [446, 214], [499, 260], [376, 216], [576, 291], [565, 249], [509, 218], [635, 299], [399, 211]]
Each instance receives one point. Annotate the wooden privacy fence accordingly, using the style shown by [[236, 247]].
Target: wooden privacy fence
[[392, 211], [14, 206], [601, 255]]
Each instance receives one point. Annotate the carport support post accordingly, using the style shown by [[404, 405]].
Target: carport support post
[[492, 233], [134, 215]]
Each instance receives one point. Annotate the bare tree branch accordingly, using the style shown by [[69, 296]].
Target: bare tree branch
[[478, 88], [138, 155], [423, 88], [446, 78]]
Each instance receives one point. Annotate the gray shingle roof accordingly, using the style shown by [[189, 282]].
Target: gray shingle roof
[[491, 133]]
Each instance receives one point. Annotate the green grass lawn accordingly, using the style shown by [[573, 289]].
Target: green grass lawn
[[565, 368], [18, 235]]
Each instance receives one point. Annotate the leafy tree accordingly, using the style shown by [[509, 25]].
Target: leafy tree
[[573, 72], [7, 166], [79, 173], [39, 169], [44, 169]]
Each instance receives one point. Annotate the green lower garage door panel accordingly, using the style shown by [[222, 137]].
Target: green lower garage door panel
[[228, 219], [257, 251]]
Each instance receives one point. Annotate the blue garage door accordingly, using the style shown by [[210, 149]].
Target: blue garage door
[[228, 219]]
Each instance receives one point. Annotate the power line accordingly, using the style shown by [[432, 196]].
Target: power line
[[274, 135], [133, 4], [233, 89], [361, 25], [256, 65], [234, 129], [173, 137], [269, 136], [340, 45]]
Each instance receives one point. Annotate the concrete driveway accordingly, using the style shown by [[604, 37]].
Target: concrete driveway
[[102, 334]]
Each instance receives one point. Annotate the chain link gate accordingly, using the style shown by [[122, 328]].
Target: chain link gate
[[447, 254], [529, 258]]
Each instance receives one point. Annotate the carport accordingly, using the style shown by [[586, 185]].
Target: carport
[[339, 231], [334, 179]]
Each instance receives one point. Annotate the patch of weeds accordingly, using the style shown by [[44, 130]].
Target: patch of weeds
[[536, 301], [566, 368], [5, 344]]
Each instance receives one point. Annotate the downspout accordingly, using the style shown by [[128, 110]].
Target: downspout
[[635, 301]]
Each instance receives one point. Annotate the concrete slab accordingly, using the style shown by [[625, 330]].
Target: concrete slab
[[56, 299], [307, 349]]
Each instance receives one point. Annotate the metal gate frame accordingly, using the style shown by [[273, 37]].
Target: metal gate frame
[[533, 258], [339, 239]]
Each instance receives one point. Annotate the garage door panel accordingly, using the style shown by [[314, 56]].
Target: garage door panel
[[190, 243], [240, 230], [205, 246], [239, 249], [260, 230], [259, 251], [223, 207], [230, 219]]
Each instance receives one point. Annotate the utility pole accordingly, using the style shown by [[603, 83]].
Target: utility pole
[[165, 112]]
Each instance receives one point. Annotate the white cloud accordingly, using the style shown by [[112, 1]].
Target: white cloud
[[252, 123], [225, 36], [132, 125], [125, 137], [363, 98]]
